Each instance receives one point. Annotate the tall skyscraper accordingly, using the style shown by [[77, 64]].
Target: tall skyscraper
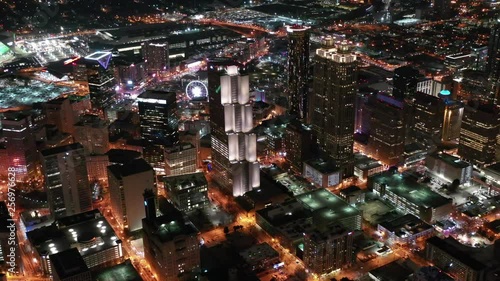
[[92, 132], [127, 183], [60, 113], [298, 70], [66, 180], [20, 144], [493, 67], [334, 95], [480, 127], [387, 128], [156, 57], [234, 145], [159, 126], [101, 79]]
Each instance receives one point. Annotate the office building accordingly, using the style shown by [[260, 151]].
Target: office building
[[327, 208], [60, 113], [329, 250], [127, 183], [130, 71], [387, 122], [234, 145], [187, 192], [455, 259], [411, 197], [365, 166], [20, 146], [159, 126], [299, 144], [180, 159], [405, 82], [480, 54], [298, 70], [427, 114], [88, 232], [448, 167], [8, 259], [101, 79], [493, 67], [452, 120], [480, 127], [334, 94], [93, 134], [405, 229], [69, 266], [261, 258], [66, 180], [156, 57], [171, 245], [321, 172]]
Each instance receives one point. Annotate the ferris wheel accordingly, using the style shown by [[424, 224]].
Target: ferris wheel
[[196, 90]]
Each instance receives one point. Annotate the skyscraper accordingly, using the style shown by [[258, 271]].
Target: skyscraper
[[159, 126], [334, 95], [480, 127], [20, 144], [405, 82], [387, 128], [298, 70], [234, 145], [156, 57], [66, 180], [493, 67], [101, 79]]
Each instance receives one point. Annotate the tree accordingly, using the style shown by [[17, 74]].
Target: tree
[[454, 185]]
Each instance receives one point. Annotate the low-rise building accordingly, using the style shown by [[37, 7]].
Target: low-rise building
[[448, 167], [261, 257], [365, 166], [323, 173], [69, 266], [187, 192], [353, 195], [88, 232], [409, 196], [405, 229]]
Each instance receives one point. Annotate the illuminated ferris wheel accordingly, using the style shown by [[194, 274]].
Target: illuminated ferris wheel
[[196, 90]]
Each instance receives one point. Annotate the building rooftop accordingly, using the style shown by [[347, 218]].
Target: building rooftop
[[121, 272], [61, 149], [457, 251], [259, 252], [323, 166], [68, 263], [391, 272], [133, 167], [93, 121], [156, 96], [407, 225], [186, 181], [450, 160], [122, 156], [331, 231], [327, 205], [180, 147], [364, 162], [89, 232], [352, 189], [411, 190], [167, 227]]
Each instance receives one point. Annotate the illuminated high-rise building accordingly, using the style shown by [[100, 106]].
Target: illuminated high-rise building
[[20, 144], [234, 145], [101, 79], [298, 70], [334, 95], [480, 127], [159, 126], [156, 57], [66, 180], [493, 67]]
